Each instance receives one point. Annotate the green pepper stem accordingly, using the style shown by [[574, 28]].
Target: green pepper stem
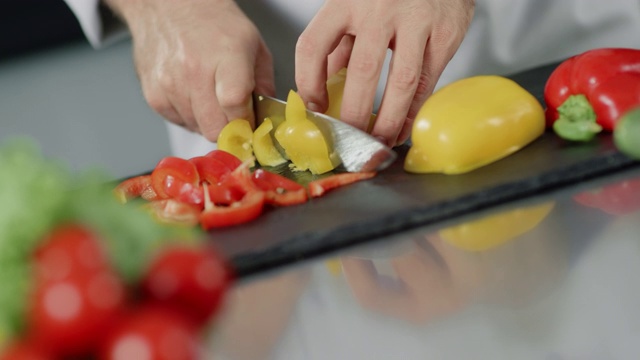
[[576, 119]]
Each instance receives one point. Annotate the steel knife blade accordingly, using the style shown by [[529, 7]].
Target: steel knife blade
[[358, 151]]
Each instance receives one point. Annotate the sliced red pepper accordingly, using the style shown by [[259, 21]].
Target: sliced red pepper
[[318, 187], [223, 194], [135, 187], [580, 99], [211, 169], [279, 190], [177, 178], [617, 199], [246, 209], [174, 211], [226, 158]]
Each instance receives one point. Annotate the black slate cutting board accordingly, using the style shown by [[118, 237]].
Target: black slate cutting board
[[395, 201]]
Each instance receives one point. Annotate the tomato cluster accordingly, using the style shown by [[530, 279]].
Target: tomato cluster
[[80, 308], [219, 190]]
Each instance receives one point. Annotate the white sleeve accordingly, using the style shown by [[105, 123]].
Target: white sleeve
[[98, 23]]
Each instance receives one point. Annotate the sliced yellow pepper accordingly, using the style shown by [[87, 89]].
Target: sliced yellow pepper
[[263, 147], [471, 123], [301, 139], [236, 138], [497, 229], [335, 89]]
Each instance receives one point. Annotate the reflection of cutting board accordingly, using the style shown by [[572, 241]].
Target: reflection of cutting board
[[397, 201]]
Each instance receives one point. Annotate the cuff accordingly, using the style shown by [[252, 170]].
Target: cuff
[[98, 22]]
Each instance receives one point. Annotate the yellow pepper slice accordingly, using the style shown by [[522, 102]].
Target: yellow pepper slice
[[263, 147], [236, 138], [471, 123], [335, 90], [301, 139], [494, 230]]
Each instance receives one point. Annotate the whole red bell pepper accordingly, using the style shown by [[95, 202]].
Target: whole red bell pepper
[[589, 92]]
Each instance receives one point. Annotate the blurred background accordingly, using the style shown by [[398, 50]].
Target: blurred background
[[81, 104]]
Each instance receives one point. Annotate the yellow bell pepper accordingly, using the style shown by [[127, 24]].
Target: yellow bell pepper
[[335, 90], [494, 230], [302, 140], [237, 138], [263, 146], [471, 123]]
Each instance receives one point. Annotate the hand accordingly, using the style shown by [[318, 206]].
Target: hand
[[198, 60], [423, 35]]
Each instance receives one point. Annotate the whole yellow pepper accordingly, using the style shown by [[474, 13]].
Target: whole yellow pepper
[[471, 123], [497, 229], [302, 140]]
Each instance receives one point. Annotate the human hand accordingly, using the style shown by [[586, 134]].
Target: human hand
[[198, 61], [423, 35]]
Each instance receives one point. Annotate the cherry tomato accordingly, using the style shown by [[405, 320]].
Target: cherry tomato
[[227, 158], [24, 350], [68, 317], [318, 187], [154, 333], [138, 186], [175, 177], [278, 189], [69, 249], [191, 280]]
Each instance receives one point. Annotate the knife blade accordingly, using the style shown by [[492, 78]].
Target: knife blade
[[357, 150]]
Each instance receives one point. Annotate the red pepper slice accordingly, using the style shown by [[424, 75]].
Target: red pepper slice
[[226, 158], [238, 212], [617, 199], [581, 102], [177, 178], [279, 190], [135, 187], [210, 169], [318, 187]]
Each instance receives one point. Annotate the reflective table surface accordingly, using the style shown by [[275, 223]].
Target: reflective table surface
[[552, 277]]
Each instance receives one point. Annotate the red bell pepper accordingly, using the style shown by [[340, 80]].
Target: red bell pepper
[[279, 190], [617, 199], [226, 158], [589, 92], [174, 177], [318, 187]]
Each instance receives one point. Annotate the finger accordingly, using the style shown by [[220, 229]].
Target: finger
[[339, 58], [235, 81], [158, 102], [402, 82], [264, 76], [207, 110], [366, 62], [315, 44]]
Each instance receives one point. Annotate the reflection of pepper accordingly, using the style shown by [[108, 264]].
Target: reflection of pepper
[[617, 199], [301, 139], [590, 91], [493, 230], [471, 123]]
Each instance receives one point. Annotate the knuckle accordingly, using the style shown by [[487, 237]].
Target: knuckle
[[156, 101], [406, 79], [234, 97], [424, 86], [166, 81], [306, 46], [366, 67]]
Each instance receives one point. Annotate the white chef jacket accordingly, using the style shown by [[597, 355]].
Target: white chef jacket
[[505, 36]]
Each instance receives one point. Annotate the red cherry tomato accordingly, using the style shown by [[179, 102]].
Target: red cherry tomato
[[24, 350], [68, 317], [176, 178], [227, 158], [69, 249], [152, 333], [191, 280]]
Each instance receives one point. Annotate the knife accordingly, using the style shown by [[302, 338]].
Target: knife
[[357, 150]]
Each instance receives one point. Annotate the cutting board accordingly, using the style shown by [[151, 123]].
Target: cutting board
[[395, 202]]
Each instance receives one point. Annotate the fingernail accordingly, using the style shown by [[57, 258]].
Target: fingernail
[[313, 107]]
